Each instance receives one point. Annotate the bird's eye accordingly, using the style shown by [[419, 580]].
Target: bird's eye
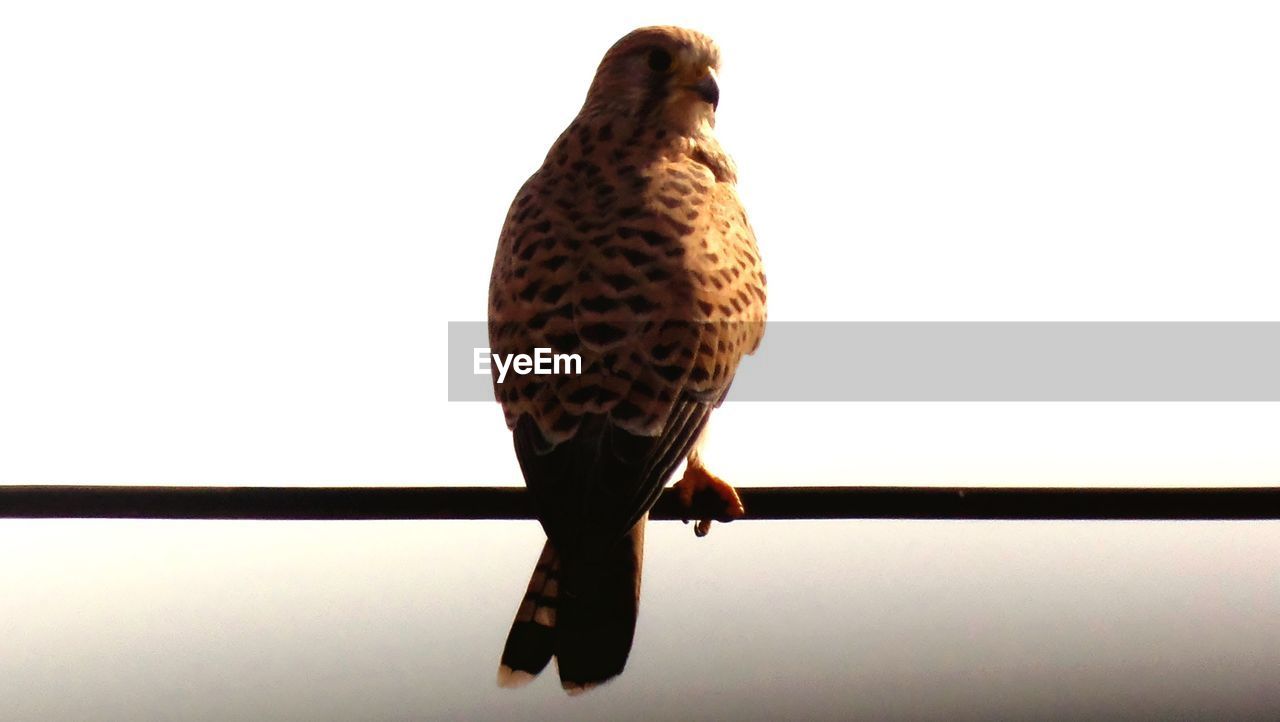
[[659, 60]]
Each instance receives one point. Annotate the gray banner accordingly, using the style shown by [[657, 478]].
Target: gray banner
[[980, 361]]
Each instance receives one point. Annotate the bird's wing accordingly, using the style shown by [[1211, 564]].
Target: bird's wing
[[660, 296]]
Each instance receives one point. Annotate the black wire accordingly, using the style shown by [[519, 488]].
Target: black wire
[[863, 502]]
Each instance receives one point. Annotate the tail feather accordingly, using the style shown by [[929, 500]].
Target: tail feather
[[588, 625], [531, 641]]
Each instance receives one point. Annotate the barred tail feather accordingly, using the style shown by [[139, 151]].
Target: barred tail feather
[[588, 629], [531, 641]]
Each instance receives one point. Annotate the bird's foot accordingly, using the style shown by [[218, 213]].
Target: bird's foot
[[705, 497]]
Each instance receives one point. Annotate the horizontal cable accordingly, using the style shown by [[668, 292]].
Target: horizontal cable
[[806, 502]]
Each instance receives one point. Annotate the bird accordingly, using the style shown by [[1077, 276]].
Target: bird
[[628, 248]]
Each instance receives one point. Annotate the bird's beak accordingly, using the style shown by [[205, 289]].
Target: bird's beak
[[707, 88]]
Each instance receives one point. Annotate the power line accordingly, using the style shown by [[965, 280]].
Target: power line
[[822, 502]]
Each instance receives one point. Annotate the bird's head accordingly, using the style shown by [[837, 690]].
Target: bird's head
[[659, 75]]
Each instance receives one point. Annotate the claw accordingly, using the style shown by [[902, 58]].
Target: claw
[[705, 497]]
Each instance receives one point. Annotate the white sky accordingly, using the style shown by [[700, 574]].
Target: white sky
[[231, 236]]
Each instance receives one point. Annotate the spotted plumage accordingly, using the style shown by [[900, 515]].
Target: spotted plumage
[[628, 247]]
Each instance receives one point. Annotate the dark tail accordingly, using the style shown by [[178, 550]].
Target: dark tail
[[587, 627]]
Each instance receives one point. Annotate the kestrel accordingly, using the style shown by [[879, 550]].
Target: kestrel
[[628, 247]]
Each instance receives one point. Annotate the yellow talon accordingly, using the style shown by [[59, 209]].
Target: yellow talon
[[705, 496]]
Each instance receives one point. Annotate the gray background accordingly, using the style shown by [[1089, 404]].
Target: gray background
[[919, 361], [758, 621]]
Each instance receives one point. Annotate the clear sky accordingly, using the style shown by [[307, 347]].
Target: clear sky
[[232, 234]]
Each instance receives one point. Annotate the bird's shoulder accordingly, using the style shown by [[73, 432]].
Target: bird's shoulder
[[626, 249]]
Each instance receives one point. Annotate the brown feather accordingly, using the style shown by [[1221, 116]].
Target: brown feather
[[630, 248]]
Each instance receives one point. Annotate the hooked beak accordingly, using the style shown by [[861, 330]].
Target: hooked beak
[[707, 89]]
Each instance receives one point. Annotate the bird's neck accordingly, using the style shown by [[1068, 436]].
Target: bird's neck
[[693, 137]]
